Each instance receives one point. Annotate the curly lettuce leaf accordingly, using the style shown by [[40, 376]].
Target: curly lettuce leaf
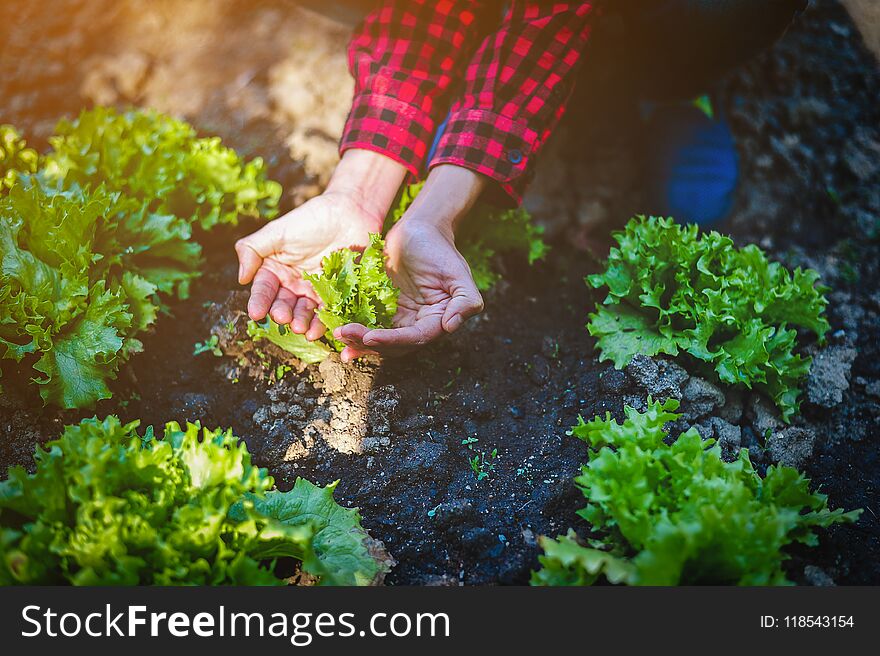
[[85, 354], [670, 289], [673, 512], [340, 552], [158, 247]]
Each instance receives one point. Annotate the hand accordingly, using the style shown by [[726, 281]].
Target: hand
[[437, 291], [276, 256]]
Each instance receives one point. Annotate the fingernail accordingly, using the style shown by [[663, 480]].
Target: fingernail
[[454, 323], [240, 272], [337, 333]]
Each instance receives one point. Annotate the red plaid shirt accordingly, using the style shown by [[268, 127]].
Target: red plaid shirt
[[502, 81]]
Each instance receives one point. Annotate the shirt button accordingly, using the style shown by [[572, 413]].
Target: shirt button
[[514, 156]]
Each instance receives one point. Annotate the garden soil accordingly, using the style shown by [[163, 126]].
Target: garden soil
[[457, 455]]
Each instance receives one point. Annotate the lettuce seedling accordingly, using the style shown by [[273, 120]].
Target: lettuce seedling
[[15, 157], [353, 287], [107, 506], [152, 157], [486, 232], [675, 513], [671, 289]]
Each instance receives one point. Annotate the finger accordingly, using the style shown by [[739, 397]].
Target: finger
[[351, 333], [466, 302], [303, 314], [316, 329], [282, 310], [249, 262], [418, 334], [254, 248], [349, 353], [263, 293]]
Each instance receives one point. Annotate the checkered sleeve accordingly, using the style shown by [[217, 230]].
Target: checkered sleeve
[[516, 87], [404, 57]]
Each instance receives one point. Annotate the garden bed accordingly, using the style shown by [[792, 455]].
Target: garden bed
[[401, 435]]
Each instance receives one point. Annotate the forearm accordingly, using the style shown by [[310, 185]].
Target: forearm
[[447, 196], [370, 180], [405, 58]]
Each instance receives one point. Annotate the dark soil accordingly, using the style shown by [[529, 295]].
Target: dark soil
[[807, 124]]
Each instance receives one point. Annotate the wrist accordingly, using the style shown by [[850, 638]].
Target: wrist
[[447, 196], [369, 181]]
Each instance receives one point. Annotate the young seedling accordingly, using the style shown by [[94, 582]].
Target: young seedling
[[210, 345], [481, 464]]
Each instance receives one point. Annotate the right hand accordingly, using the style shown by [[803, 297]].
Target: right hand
[[276, 257]]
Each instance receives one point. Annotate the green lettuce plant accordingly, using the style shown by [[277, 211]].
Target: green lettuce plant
[[488, 231], [94, 240], [108, 506], [671, 289], [353, 287], [152, 157], [673, 512], [73, 297]]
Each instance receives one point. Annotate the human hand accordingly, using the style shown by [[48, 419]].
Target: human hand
[[275, 257], [437, 291]]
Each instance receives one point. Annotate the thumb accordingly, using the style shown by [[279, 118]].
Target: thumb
[[251, 251], [466, 302]]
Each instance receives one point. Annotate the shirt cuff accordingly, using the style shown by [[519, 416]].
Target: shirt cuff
[[391, 127], [491, 144]]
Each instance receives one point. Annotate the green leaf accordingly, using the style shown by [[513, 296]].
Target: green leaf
[[341, 550], [84, 355], [283, 337], [567, 563], [624, 332]]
